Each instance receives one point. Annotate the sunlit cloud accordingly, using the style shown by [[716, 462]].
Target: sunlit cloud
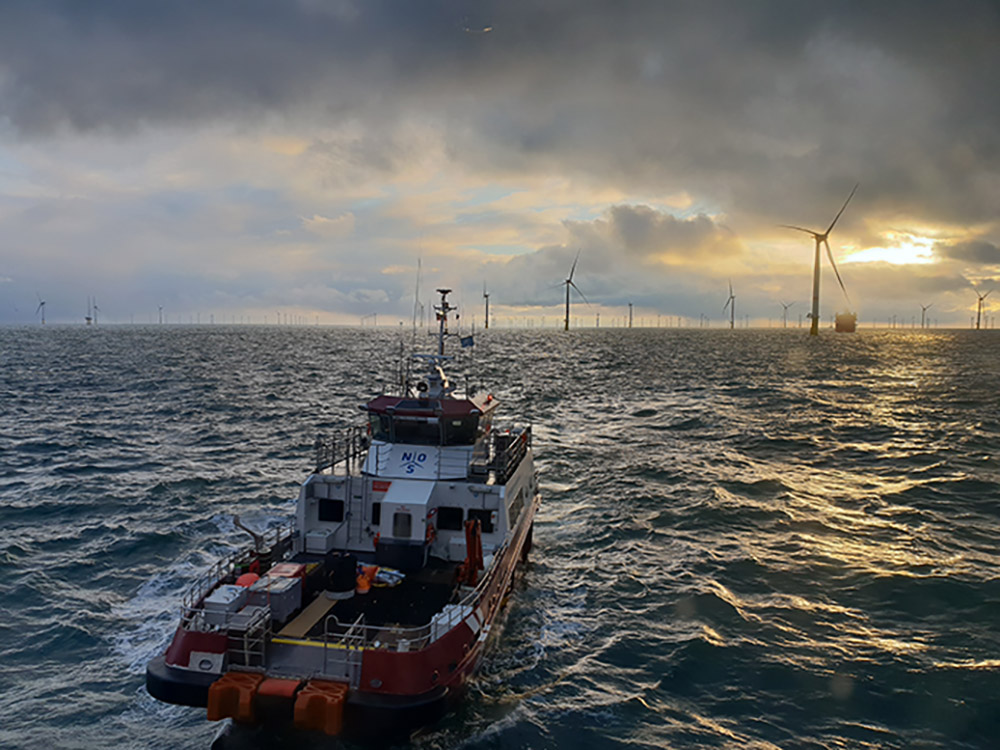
[[899, 249]]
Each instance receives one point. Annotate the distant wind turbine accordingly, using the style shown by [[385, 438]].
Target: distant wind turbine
[[486, 296], [784, 313], [979, 308], [41, 307], [923, 313], [96, 310], [822, 239], [569, 283], [731, 304]]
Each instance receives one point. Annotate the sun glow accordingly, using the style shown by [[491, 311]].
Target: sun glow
[[900, 249]]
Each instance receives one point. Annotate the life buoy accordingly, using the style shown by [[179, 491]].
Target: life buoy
[[375, 540], [431, 533]]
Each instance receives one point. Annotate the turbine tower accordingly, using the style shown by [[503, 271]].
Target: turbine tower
[[923, 313], [629, 314], [979, 308], [41, 307], [731, 304], [822, 239], [784, 314], [569, 283], [486, 296]]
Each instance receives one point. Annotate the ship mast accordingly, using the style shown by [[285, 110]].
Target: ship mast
[[442, 315]]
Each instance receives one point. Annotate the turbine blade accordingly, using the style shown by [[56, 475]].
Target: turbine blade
[[579, 292], [40, 306], [987, 294], [829, 254], [807, 231], [573, 269], [843, 207]]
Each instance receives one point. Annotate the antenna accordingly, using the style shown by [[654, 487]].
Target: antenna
[[822, 239]]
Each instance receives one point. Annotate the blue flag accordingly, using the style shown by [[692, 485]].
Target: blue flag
[[466, 341]]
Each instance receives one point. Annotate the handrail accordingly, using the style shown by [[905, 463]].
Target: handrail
[[350, 448], [415, 637], [501, 453], [227, 566]]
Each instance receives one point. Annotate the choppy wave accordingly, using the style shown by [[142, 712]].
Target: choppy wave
[[747, 539]]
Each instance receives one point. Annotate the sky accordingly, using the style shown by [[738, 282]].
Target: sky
[[293, 160]]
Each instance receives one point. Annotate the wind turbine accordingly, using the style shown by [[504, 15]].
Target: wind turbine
[[96, 310], [822, 239], [979, 308], [731, 304], [784, 314], [569, 283], [41, 307], [923, 313], [486, 296]]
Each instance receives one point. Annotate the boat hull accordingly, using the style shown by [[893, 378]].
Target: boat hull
[[397, 692]]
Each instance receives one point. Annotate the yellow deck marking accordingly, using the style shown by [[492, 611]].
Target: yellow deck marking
[[308, 617]]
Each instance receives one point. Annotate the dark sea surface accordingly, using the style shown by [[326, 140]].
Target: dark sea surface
[[748, 539]]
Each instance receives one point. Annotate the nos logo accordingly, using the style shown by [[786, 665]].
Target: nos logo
[[411, 461]]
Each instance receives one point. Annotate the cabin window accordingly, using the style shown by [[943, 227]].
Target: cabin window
[[415, 430], [485, 518], [449, 518], [402, 525], [331, 510], [376, 514], [461, 431], [380, 424]]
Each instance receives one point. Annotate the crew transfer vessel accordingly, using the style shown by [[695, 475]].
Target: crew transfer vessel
[[367, 614]]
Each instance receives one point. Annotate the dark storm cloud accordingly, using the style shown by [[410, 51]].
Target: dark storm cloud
[[974, 252], [772, 109]]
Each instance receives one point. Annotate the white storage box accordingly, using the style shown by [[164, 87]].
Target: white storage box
[[319, 541], [282, 595], [223, 602]]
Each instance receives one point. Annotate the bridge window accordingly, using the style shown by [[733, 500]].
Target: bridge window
[[331, 510], [461, 431], [379, 424]]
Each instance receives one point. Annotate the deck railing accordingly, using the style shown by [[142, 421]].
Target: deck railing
[[359, 635], [348, 448], [501, 453], [277, 544]]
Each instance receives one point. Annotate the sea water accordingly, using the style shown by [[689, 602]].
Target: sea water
[[748, 539]]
